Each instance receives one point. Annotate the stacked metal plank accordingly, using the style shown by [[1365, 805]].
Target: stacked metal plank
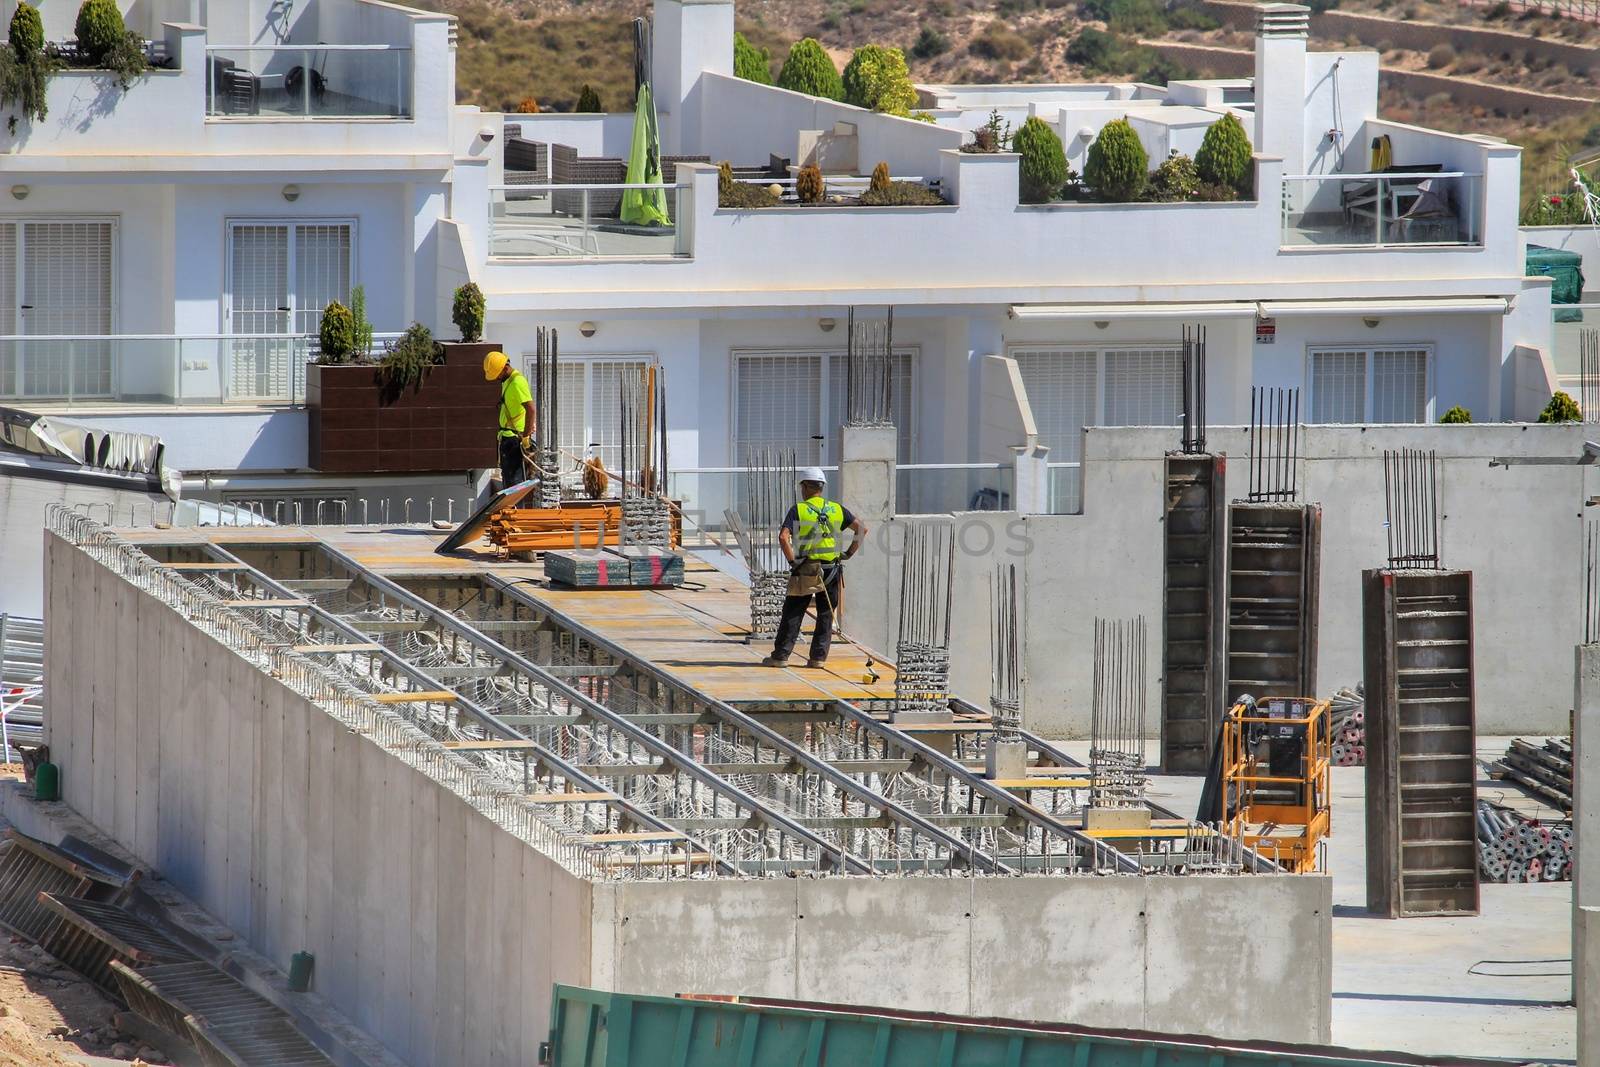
[[1421, 777], [627, 567], [1545, 770], [1194, 665]]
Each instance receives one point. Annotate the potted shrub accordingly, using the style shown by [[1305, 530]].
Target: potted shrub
[[1562, 408], [25, 67], [1118, 166], [105, 42], [1042, 170], [809, 70], [466, 311], [422, 406], [1224, 156]]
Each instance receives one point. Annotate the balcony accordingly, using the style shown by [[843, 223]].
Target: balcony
[[564, 221], [158, 370], [1382, 210], [350, 81]]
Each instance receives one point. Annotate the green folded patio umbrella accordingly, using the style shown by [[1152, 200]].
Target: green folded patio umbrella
[[645, 207]]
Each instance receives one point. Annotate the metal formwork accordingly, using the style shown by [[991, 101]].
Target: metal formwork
[[1194, 620], [91, 935], [1274, 564], [1421, 774]]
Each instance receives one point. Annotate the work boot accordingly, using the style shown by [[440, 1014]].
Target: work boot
[[816, 664], [775, 661]]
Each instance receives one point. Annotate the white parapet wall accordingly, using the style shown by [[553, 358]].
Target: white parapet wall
[[440, 932], [1519, 528]]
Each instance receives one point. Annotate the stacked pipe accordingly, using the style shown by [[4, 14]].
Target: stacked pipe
[[1347, 727], [1515, 848]]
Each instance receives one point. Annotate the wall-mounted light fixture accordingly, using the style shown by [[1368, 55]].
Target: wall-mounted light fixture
[[291, 193], [587, 328], [486, 134], [20, 192], [827, 325], [1101, 324], [1371, 323]]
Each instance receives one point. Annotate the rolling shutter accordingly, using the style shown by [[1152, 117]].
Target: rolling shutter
[[1338, 386]]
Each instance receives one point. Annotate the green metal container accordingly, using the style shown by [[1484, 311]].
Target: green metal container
[[47, 782], [591, 1028]]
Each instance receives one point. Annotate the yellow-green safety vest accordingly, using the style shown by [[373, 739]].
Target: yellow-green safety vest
[[818, 529]]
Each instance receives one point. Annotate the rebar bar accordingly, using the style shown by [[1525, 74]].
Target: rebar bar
[[1194, 390], [762, 501], [547, 400], [1411, 507], [1117, 721], [1591, 582], [1589, 374], [922, 652], [1274, 443], [869, 370], [1006, 644], [646, 514]]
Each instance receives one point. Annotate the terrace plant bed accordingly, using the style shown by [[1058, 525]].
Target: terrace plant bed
[[359, 423]]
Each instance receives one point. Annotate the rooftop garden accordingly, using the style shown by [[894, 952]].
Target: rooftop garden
[[102, 42], [811, 188]]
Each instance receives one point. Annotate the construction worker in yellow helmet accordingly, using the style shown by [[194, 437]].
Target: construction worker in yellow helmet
[[517, 421], [809, 539]]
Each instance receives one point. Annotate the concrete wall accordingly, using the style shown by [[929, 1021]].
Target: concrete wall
[[433, 929], [1520, 529], [1123, 952]]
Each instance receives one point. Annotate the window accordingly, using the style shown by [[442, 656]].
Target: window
[[280, 277], [1357, 385], [796, 400], [589, 399], [56, 280], [1070, 388]]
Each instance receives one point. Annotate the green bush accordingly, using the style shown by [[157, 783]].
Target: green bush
[[930, 43], [1001, 42], [808, 185], [466, 311], [877, 78], [337, 334], [1562, 408], [749, 62], [360, 325], [809, 70], [1224, 156], [588, 101], [1558, 209], [405, 360], [99, 29], [1093, 50], [737, 194], [1118, 166], [901, 194], [1042, 170], [27, 31], [993, 136], [1189, 17], [126, 59], [1176, 179], [1457, 414], [1141, 17]]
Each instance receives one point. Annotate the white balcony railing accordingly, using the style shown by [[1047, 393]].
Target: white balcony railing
[[163, 370], [585, 221], [349, 81], [1382, 210]]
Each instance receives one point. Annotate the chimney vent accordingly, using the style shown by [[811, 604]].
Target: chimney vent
[[1283, 20]]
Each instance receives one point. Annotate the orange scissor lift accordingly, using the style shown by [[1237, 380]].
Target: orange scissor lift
[[1275, 759]]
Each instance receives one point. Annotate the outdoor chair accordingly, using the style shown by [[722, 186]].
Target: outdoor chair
[[1359, 199]]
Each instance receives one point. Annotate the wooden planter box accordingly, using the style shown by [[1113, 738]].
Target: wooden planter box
[[446, 423]]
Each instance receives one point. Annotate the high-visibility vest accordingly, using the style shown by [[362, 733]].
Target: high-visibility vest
[[817, 532]]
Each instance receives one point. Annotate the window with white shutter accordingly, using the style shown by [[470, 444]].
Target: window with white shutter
[[1144, 386], [778, 406], [1358, 385], [56, 280], [1063, 386], [280, 277]]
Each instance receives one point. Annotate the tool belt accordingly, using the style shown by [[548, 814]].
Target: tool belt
[[806, 579]]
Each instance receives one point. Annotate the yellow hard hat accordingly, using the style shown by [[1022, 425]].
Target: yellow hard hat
[[493, 364]]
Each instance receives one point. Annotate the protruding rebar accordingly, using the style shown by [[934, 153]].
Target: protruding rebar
[[869, 370], [1274, 443], [1117, 718], [922, 652], [1411, 507], [1005, 676], [1194, 390]]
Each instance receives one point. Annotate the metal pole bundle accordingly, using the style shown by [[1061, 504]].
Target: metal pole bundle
[[869, 370], [1194, 390], [1274, 443], [1005, 676], [1589, 371], [547, 403], [922, 653], [1411, 507], [646, 515], [762, 501], [1117, 724]]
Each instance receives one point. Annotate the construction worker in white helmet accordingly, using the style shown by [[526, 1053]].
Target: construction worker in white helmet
[[809, 539], [517, 421]]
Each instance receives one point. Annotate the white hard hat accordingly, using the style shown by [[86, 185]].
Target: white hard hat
[[813, 474]]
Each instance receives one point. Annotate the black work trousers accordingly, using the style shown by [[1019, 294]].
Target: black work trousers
[[794, 613], [512, 470]]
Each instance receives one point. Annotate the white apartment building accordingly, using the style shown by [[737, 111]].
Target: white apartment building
[[165, 252]]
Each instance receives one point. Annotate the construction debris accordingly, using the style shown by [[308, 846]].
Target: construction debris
[[1545, 771], [1514, 848]]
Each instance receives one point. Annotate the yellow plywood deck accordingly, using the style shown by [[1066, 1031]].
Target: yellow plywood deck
[[696, 632]]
